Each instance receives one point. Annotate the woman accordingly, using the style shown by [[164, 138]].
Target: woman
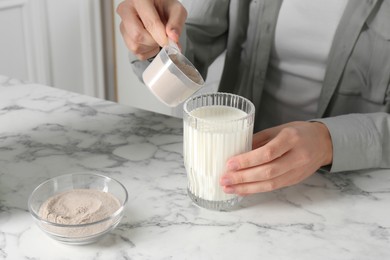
[[318, 73]]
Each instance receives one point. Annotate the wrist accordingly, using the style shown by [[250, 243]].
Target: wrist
[[325, 142]]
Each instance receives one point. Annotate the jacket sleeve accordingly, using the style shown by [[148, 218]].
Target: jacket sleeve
[[204, 36], [206, 31], [360, 141]]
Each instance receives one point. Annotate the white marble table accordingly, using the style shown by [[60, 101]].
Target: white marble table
[[46, 132]]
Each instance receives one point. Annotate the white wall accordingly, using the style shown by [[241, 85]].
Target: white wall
[[17, 57], [53, 42]]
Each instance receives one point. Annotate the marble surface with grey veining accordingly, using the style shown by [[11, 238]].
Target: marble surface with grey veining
[[45, 132]]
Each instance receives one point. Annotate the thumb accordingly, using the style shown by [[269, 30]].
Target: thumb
[[152, 21], [173, 34], [177, 15]]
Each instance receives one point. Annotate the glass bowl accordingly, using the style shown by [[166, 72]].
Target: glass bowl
[[87, 232]]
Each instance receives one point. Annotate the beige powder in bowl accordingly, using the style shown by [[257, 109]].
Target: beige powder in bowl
[[79, 206]]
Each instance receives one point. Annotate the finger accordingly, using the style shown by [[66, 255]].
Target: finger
[[177, 15], [261, 138], [149, 54], [263, 172], [134, 39], [264, 136], [288, 179], [152, 21], [142, 50], [138, 32], [279, 145]]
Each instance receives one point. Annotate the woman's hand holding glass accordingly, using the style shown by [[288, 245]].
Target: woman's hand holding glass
[[282, 156]]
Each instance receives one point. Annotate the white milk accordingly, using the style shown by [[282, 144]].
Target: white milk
[[207, 148]]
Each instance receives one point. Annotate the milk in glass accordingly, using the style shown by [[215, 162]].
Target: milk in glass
[[218, 133]]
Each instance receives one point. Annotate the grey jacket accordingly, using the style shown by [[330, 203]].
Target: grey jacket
[[355, 98]]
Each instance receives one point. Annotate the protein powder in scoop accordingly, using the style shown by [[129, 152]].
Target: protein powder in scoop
[[188, 70], [171, 77]]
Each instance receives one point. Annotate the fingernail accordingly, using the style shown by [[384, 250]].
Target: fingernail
[[226, 181], [175, 32], [232, 166], [173, 35], [228, 189]]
